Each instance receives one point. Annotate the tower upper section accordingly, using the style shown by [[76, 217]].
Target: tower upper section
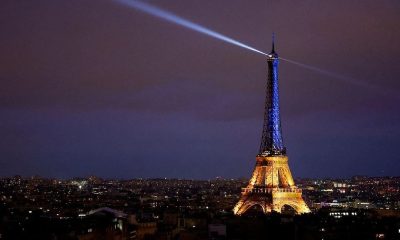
[[271, 139]]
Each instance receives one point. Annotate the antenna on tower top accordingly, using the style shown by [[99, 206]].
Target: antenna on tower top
[[273, 42]]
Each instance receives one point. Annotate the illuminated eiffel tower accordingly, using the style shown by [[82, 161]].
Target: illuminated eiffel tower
[[271, 186]]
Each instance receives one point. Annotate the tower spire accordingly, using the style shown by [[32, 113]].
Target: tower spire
[[273, 43], [271, 138]]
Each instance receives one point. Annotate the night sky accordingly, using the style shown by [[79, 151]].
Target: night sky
[[96, 88]]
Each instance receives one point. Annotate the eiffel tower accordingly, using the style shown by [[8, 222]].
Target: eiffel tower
[[271, 186]]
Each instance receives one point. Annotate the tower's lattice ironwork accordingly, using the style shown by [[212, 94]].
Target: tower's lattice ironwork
[[271, 138], [271, 186]]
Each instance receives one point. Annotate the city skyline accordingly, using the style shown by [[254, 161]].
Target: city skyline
[[91, 208], [93, 88]]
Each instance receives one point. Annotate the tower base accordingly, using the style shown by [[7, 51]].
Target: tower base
[[272, 200], [271, 187]]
